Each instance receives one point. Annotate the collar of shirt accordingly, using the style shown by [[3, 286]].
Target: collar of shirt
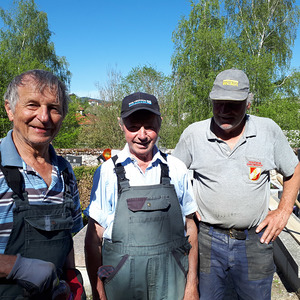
[[250, 129], [9, 153], [11, 157], [152, 173], [125, 157]]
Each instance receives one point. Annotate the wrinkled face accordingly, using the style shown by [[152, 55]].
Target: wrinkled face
[[141, 131], [228, 115], [37, 116]]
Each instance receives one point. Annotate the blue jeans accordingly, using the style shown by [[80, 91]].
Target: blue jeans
[[246, 265]]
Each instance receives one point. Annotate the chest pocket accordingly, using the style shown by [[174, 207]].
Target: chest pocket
[[149, 216], [44, 232], [50, 222], [146, 204], [256, 170]]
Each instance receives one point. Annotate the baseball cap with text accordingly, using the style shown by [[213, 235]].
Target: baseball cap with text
[[139, 101], [231, 85]]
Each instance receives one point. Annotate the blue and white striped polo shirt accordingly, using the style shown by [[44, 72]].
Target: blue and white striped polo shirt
[[38, 192]]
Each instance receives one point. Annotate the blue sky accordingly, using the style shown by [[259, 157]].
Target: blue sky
[[97, 35]]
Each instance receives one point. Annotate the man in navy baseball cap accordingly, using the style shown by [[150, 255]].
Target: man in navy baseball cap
[[141, 216], [139, 101]]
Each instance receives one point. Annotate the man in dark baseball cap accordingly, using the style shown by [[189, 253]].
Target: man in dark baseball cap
[[139, 101], [145, 222]]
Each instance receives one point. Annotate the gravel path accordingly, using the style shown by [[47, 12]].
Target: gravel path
[[280, 292]]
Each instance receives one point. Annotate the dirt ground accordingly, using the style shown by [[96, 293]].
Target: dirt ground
[[281, 292]]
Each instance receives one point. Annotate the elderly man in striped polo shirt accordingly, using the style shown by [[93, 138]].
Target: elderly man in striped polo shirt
[[39, 201]]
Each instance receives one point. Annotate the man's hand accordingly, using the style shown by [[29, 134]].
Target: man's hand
[[274, 223], [198, 216], [100, 289], [35, 275], [277, 219]]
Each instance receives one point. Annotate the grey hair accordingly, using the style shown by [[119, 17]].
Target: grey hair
[[250, 98], [44, 80]]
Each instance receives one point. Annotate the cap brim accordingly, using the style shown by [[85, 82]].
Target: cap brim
[[128, 113], [230, 95]]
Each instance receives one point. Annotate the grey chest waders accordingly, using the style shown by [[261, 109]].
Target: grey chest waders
[[39, 231], [147, 257]]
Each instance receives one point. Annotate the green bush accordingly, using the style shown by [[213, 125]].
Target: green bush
[[84, 176], [84, 171]]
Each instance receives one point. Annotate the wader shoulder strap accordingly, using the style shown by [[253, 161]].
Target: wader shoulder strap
[[164, 177], [65, 172], [14, 179], [123, 182]]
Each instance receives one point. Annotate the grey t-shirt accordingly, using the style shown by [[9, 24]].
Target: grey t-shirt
[[232, 187]]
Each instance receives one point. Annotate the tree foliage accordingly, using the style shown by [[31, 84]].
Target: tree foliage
[[111, 91], [264, 32], [25, 41], [103, 131], [25, 44], [253, 35], [148, 79], [198, 44], [70, 129]]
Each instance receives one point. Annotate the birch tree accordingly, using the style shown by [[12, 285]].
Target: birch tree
[[253, 35], [25, 43]]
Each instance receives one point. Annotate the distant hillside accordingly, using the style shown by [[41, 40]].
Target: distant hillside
[[89, 99]]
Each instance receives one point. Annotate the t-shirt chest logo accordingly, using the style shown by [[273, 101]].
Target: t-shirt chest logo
[[254, 169]]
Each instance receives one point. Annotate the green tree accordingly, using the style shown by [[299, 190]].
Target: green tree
[[255, 36], [25, 44], [199, 42], [111, 91], [69, 132], [102, 130], [264, 32], [286, 113], [148, 79]]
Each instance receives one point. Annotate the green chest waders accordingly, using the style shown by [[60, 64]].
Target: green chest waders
[[149, 250], [39, 231]]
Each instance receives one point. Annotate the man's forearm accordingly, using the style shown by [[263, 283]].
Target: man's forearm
[[193, 255], [93, 254], [191, 291], [291, 187]]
